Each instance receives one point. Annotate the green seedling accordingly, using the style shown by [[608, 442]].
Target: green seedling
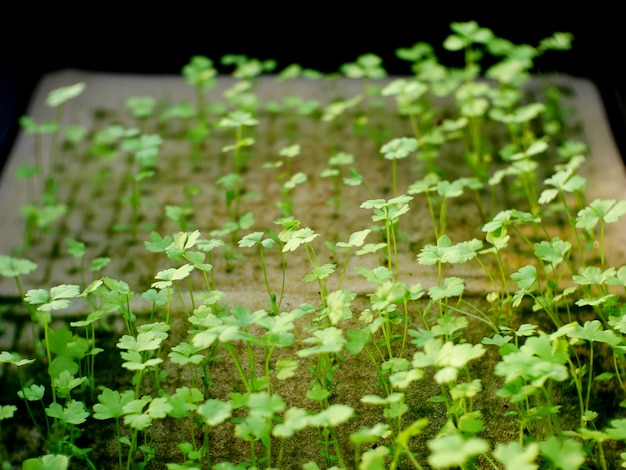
[[334, 172], [200, 73], [33, 393], [256, 239], [398, 149], [57, 99], [30, 126], [144, 149], [408, 94], [604, 212], [367, 67], [141, 107], [110, 406], [356, 240], [237, 120], [247, 68], [28, 173], [389, 213]]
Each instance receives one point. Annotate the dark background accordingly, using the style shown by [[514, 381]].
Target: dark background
[[104, 37]]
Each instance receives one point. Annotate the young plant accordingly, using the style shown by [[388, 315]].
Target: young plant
[[389, 212], [255, 239], [334, 171]]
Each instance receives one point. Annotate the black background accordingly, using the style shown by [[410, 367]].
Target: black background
[[161, 40]]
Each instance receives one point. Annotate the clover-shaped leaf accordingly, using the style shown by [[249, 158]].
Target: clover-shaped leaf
[[328, 340], [452, 287], [59, 96], [199, 70], [332, 416], [238, 119], [215, 411], [14, 358], [111, 403], [56, 299], [13, 267], [356, 239], [33, 393], [564, 454], [73, 413], [399, 148], [515, 457], [593, 331], [293, 239], [605, 210], [453, 450], [166, 277]]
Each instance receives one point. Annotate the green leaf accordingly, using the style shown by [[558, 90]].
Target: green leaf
[[327, 340], [374, 459], [57, 299], [508, 217], [65, 343], [470, 423], [199, 71], [332, 416], [606, 210], [73, 413], [286, 368], [377, 275], [294, 420], [593, 275], [159, 408], [111, 403], [215, 411], [317, 393], [452, 287], [65, 382], [617, 430], [174, 274], [158, 244], [320, 272], [238, 119], [454, 450], [13, 267], [373, 434], [538, 360], [14, 358], [564, 454], [566, 181], [525, 277], [184, 353], [593, 331], [552, 252], [453, 43], [7, 411], [338, 305], [558, 42], [251, 239], [515, 457], [33, 393], [290, 151], [265, 405], [293, 239], [356, 239], [60, 95], [399, 148], [47, 462]]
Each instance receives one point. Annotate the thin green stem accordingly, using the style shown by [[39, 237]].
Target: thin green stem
[[238, 366]]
